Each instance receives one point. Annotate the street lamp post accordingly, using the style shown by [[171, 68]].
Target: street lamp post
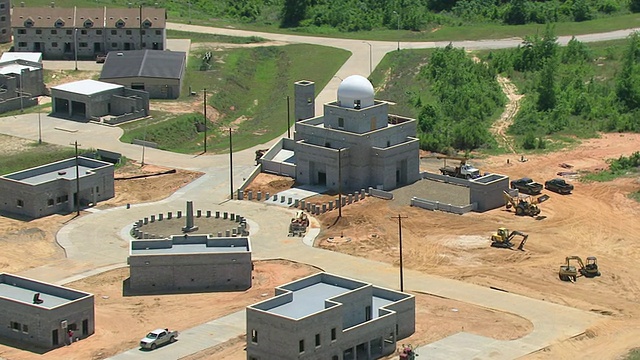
[[21, 97], [398, 15], [400, 243], [370, 56], [205, 120], [75, 46], [339, 183], [189, 12], [144, 139], [77, 197], [231, 163], [288, 118]]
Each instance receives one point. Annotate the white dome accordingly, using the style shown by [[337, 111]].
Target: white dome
[[354, 89]]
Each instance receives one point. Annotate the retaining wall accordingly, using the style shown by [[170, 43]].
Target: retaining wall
[[436, 205]]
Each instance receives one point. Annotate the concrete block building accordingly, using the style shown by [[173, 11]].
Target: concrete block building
[[5, 21], [157, 72], [325, 316], [188, 263], [39, 314], [52, 188], [96, 100], [64, 33], [21, 80], [355, 144]]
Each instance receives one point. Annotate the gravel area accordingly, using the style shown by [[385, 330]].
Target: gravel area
[[431, 190]]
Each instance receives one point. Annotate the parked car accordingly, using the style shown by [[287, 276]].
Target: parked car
[[527, 186], [158, 338], [101, 58], [558, 185]]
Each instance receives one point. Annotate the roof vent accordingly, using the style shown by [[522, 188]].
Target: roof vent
[[120, 54]]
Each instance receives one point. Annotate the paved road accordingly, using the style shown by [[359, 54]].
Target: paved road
[[99, 241]]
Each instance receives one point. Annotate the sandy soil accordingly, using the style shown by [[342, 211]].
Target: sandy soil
[[596, 220]]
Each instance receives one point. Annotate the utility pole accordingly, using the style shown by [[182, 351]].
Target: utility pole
[[288, 118], [77, 180], [205, 120], [398, 15], [339, 183], [399, 218], [370, 57], [144, 140], [39, 129], [230, 163], [75, 46], [21, 97]]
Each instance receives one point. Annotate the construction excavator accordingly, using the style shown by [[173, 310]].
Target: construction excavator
[[502, 239], [570, 272], [524, 205]]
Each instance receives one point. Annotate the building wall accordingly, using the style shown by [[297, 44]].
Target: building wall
[[42, 322], [110, 102], [189, 272], [36, 199], [488, 196], [158, 88], [356, 120], [5, 21]]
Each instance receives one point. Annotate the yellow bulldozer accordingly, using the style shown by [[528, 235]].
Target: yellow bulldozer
[[502, 239], [524, 205], [570, 272]]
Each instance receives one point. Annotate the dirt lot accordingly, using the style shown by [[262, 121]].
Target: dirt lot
[[597, 219]]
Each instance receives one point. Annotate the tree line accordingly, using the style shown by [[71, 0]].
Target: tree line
[[416, 15]]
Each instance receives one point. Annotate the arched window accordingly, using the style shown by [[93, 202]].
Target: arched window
[[59, 23], [120, 23], [147, 23], [88, 23], [28, 23]]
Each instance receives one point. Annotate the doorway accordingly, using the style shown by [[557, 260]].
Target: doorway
[[322, 178], [85, 327], [54, 338]]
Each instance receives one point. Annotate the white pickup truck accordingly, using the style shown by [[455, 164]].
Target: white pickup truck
[[158, 338]]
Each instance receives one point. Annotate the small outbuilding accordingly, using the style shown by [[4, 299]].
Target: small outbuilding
[[188, 263], [160, 73], [40, 314], [96, 100], [52, 188]]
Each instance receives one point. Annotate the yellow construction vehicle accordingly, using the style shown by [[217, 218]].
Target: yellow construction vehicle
[[524, 205], [299, 224], [502, 239], [570, 272]]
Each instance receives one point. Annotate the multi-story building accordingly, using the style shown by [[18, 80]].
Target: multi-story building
[[53, 188], [325, 316], [40, 314], [5, 21], [67, 33], [21, 81]]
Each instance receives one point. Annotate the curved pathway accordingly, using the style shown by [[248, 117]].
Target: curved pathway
[[100, 240]]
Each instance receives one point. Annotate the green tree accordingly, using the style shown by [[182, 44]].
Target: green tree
[[628, 81], [634, 5], [293, 12], [517, 12]]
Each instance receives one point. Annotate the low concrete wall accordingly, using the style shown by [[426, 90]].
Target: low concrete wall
[[380, 193], [436, 205], [150, 144], [252, 176], [125, 117], [278, 168], [444, 178]]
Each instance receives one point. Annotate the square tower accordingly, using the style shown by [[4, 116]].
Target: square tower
[[304, 98]]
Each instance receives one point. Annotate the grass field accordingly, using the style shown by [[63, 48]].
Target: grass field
[[249, 87], [33, 155], [201, 37]]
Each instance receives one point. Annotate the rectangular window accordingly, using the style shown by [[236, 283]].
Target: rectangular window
[[20, 203], [114, 45], [317, 340], [301, 346], [38, 31], [341, 123], [50, 202], [143, 32], [25, 328], [97, 189], [144, 45], [333, 334], [114, 32], [22, 44], [254, 336], [54, 32], [98, 32], [128, 32], [22, 31], [83, 44], [65, 198], [69, 32], [83, 32], [158, 32], [367, 313], [15, 326], [54, 44], [1, 6]]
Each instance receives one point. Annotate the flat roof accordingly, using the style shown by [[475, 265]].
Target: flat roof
[[311, 299], [22, 290], [15, 69], [64, 169], [87, 87], [189, 249], [29, 56]]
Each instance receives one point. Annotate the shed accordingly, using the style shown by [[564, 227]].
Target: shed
[[158, 72]]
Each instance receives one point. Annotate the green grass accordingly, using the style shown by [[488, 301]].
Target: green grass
[[634, 354], [606, 175], [35, 155], [202, 37], [249, 88]]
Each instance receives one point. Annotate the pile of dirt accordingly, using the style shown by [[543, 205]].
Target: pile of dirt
[[269, 183]]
